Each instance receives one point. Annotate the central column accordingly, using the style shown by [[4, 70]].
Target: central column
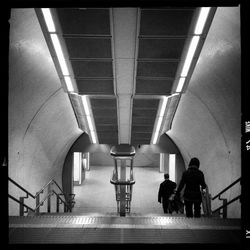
[[123, 188]]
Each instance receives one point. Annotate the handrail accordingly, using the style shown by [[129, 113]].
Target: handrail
[[27, 192], [117, 182], [225, 189], [67, 204], [58, 195], [13, 198], [226, 204], [48, 195]]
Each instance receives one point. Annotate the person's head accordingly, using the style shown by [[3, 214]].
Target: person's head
[[166, 176], [194, 162]]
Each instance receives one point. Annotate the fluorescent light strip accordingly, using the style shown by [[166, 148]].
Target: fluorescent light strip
[[158, 126], [69, 84], [201, 20], [85, 105], [89, 120], [180, 84], [163, 106], [93, 136], [190, 55], [91, 128], [48, 19], [157, 129], [59, 53]]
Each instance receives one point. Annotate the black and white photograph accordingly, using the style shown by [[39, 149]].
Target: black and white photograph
[[125, 125]]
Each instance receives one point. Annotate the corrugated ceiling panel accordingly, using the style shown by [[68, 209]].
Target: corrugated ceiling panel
[[170, 22], [156, 69], [105, 115], [154, 87], [95, 87], [86, 47], [84, 21], [143, 118], [92, 69], [170, 48]]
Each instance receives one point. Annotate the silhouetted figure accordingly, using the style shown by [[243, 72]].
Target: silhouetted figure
[[192, 179], [166, 189]]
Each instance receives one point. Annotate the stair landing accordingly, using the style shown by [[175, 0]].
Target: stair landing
[[131, 229]]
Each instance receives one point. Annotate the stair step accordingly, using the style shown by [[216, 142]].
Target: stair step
[[162, 222]]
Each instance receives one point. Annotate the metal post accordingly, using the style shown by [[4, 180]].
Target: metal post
[[224, 210], [49, 200], [57, 204], [37, 203], [21, 207], [123, 188]]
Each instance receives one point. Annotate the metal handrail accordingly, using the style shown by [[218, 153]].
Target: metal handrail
[[43, 188], [225, 189], [13, 198], [225, 205], [117, 182], [225, 202], [67, 204], [23, 189], [50, 194]]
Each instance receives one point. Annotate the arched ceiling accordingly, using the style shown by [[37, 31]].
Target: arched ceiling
[[128, 62]]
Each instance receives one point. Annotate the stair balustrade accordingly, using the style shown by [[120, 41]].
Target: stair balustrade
[[61, 199]]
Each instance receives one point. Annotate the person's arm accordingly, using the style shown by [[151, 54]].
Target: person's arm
[[181, 185], [160, 194], [203, 183]]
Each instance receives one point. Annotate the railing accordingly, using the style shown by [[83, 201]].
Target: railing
[[225, 204], [128, 190], [67, 203]]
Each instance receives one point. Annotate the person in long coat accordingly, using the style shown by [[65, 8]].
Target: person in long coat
[[166, 189], [193, 180]]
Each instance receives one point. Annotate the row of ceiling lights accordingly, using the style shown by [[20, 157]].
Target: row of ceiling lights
[[63, 65], [188, 60], [187, 63]]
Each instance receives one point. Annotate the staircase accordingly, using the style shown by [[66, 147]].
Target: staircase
[[69, 227], [79, 229]]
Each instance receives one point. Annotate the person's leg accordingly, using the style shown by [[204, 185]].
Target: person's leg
[[165, 205], [188, 208], [197, 209]]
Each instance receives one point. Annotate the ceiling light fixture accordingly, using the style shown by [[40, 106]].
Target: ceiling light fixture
[[180, 84], [85, 105], [160, 118], [48, 19], [69, 84], [190, 55], [59, 53], [89, 119], [201, 20]]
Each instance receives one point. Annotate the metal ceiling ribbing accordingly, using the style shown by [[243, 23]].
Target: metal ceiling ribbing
[[126, 60], [87, 37], [162, 37]]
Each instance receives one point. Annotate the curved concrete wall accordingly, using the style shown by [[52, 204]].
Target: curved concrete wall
[[207, 123], [42, 125]]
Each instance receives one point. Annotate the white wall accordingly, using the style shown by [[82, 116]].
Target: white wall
[[42, 125], [207, 123]]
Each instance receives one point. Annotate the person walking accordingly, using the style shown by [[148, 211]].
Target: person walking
[[193, 180], [166, 189]]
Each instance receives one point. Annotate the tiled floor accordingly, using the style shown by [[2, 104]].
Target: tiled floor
[[96, 195]]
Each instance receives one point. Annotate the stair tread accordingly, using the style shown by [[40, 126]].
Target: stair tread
[[172, 222]]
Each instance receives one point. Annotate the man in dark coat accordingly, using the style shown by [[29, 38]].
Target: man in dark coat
[[166, 189], [193, 180]]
